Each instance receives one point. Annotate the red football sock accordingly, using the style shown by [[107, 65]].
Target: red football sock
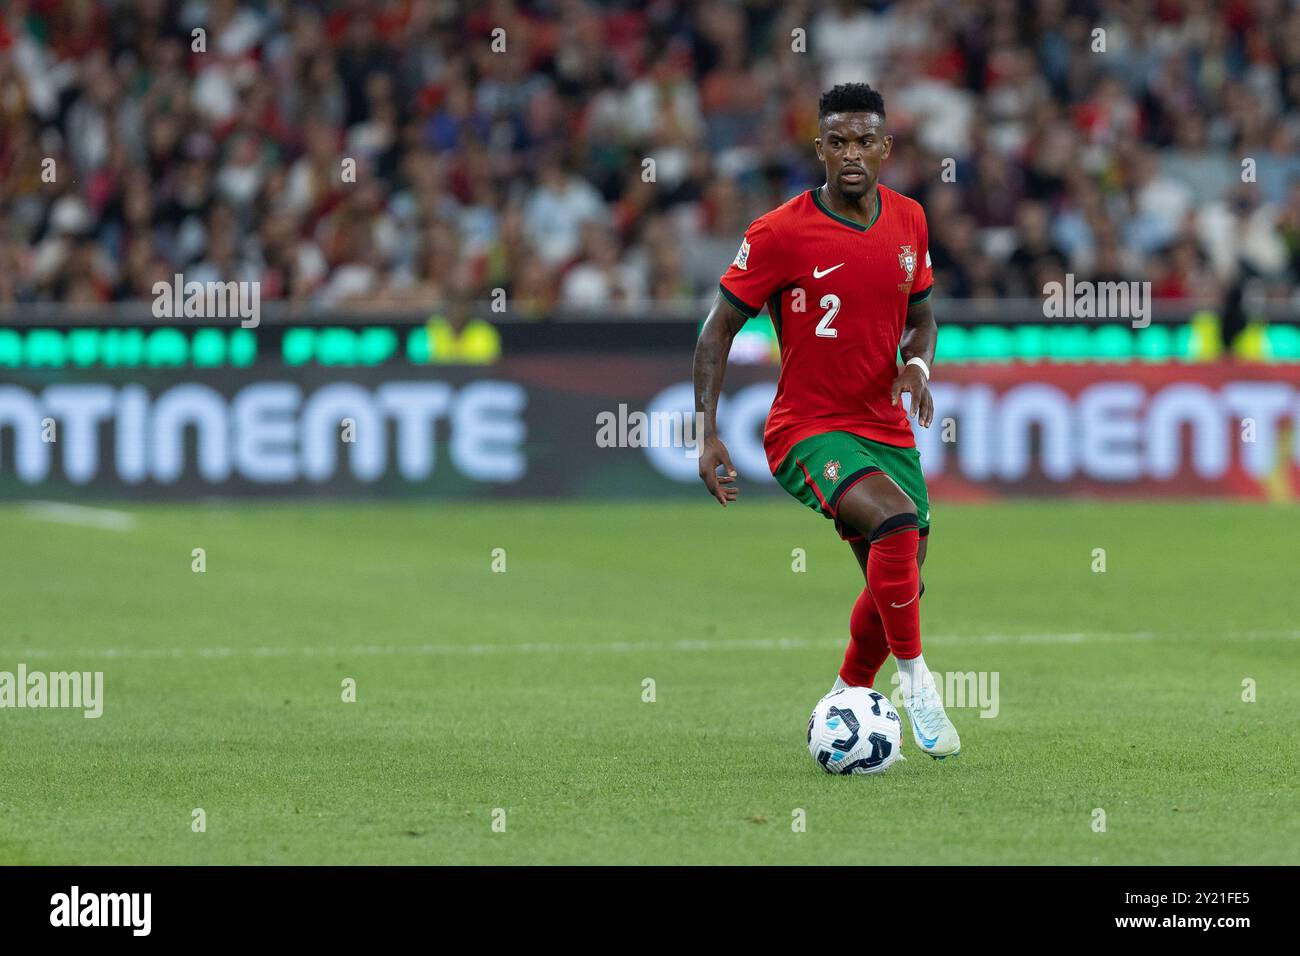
[[895, 583], [868, 648]]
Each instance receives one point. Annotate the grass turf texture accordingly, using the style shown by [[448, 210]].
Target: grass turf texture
[[223, 688]]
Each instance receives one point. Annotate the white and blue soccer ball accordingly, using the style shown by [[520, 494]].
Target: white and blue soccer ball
[[854, 730]]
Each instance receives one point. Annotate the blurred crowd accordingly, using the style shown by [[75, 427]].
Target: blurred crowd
[[610, 155]]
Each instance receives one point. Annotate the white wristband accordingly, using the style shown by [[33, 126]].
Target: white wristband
[[916, 360]]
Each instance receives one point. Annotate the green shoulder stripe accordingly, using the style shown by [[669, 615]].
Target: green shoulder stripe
[[744, 309]]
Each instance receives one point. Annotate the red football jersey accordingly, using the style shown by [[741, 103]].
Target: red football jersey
[[838, 294]]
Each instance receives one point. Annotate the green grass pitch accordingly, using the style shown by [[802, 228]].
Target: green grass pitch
[[1120, 691]]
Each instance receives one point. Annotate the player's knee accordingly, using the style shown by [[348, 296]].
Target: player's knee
[[897, 502], [866, 511], [905, 504], [895, 512], [898, 522]]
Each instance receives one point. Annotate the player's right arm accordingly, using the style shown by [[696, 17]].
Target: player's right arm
[[711, 351], [758, 272]]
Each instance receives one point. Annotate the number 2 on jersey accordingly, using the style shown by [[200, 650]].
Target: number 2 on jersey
[[831, 303]]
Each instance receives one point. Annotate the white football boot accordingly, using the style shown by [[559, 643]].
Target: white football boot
[[931, 728]]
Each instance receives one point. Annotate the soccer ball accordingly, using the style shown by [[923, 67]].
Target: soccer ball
[[854, 730]]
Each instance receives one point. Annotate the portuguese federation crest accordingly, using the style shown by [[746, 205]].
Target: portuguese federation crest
[[832, 471], [907, 259]]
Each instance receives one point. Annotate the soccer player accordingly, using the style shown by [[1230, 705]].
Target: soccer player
[[844, 270]]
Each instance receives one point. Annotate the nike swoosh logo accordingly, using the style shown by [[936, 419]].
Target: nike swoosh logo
[[817, 273], [927, 742], [905, 603]]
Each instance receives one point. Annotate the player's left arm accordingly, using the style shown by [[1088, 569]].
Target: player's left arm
[[919, 337]]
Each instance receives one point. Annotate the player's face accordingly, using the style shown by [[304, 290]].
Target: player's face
[[853, 145]]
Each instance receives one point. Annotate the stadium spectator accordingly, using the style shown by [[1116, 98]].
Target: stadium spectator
[[213, 138]]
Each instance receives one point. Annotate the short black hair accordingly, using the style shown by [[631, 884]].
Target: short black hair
[[851, 98]]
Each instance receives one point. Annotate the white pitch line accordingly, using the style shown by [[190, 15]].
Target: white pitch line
[[80, 515], [615, 647]]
